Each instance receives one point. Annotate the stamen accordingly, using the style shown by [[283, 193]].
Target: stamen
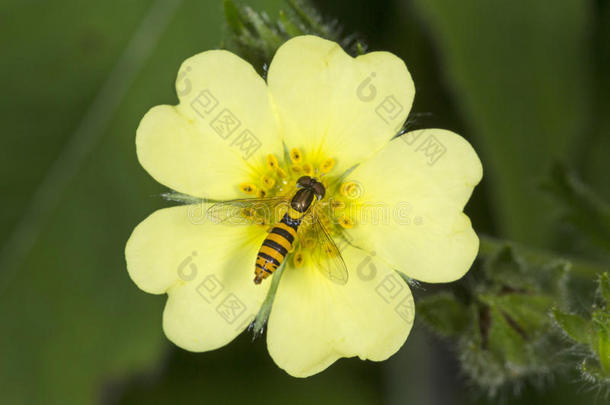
[[298, 259], [295, 155], [327, 165], [252, 216], [248, 188], [337, 204], [261, 193], [296, 169], [248, 212], [308, 243], [268, 182], [272, 162], [281, 173], [307, 169], [346, 222]]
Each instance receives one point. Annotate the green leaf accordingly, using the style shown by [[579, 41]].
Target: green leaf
[[443, 314], [582, 207], [507, 269], [601, 322], [575, 326], [529, 312], [505, 339]]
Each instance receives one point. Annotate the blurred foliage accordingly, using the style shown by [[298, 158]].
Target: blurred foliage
[[581, 207], [525, 82], [591, 335], [255, 37], [498, 317], [521, 72]]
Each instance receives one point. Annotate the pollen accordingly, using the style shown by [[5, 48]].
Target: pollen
[[296, 156], [248, 188], [272, 162], [298, 259], [268, 182], [327, 165]]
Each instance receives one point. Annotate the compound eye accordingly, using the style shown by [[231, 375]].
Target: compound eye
[[304, 181], [319, 189]]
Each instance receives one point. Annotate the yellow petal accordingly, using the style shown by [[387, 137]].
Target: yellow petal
[[414, 192], [220, 132], [314, 322], [346, 108], [206, 269]]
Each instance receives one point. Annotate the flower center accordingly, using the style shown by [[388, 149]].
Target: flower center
[[275, 183]]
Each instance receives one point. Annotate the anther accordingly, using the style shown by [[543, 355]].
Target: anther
[[337, 204], [346, 222], [295, 155], [268, 182], [248, 188], [298, 259], [327, 165], [281, 173], [307, 169], [272, 162], [308, 243]]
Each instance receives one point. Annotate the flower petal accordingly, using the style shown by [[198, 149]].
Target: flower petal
[[217, 136], [346, 108], [314, 322], [206, 269], [414, 192]]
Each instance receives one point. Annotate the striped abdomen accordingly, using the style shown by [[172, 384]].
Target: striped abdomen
[[276, 245]]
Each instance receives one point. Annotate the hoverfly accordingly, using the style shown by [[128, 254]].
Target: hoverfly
[[299, 220]]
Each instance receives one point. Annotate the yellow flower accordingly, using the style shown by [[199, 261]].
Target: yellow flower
[[321, 112]]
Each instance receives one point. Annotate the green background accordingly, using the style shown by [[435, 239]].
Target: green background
[[525, 82]]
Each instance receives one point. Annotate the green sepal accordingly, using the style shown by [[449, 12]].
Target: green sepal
[[256, 37], [265, 310], [233, 17], [574, 326], [183, 198]]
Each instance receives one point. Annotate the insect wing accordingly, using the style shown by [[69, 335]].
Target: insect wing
[[246, 211], [326, 255]]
